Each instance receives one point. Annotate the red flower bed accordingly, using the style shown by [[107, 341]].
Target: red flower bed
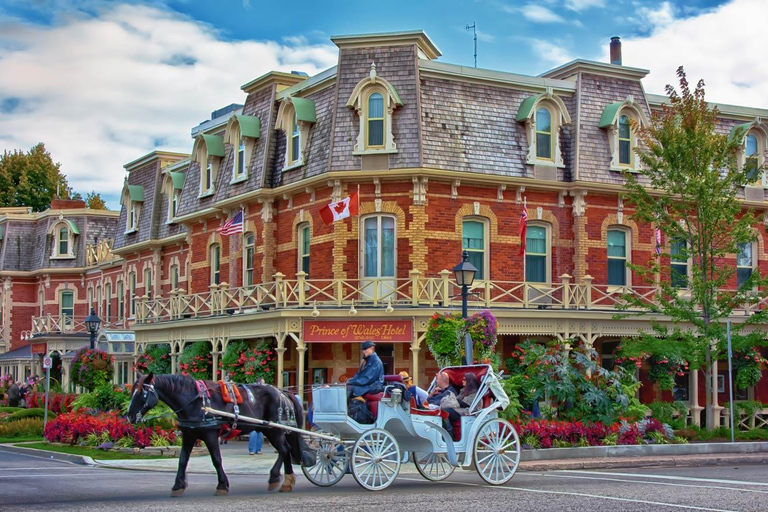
[[57, 402], [71, 428], [572, 432]]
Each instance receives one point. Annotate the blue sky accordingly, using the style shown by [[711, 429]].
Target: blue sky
[[103, 82]]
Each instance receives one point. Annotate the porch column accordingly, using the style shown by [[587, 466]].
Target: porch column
[[280, 366], [301, 349], [65, 366], [215, 362], [415, 352], [714, 412], [693, 382]]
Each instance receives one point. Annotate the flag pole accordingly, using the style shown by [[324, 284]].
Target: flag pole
[[525, 206], [359, 259]]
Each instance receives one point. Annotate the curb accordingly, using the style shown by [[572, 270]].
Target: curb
[[638, 462], [648, 450], [82, 460]]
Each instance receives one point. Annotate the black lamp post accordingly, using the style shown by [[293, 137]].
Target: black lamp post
[[465, 275], [92, 322]]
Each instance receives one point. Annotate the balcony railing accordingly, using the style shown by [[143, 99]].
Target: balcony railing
[[66, 324], [101, 252], [416, 291]]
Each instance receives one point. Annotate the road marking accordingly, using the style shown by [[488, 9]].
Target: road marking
[[5, 477], [668, 477], [581, 495], [740, 489], [38, 468]]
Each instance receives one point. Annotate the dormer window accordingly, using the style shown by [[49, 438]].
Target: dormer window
[[543, 115], [294, 118], [173, 183], [619, 120], [208, 152], [751, 155], [133, 198], [374, 99], [242, 132], [239, 167], [63, 233]]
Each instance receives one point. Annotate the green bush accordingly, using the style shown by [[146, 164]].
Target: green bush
[[10, 409], [104, 398], [91, 368], [29, 413], [27, 427], [665, 413], [755, 434]]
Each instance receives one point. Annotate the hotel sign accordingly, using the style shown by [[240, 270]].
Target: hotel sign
[[345, 331], [39, 348]]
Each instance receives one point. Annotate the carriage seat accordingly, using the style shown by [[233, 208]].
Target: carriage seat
[[372, 399], [456, 375]]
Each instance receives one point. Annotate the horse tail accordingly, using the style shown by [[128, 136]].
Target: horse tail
[[301, 453]]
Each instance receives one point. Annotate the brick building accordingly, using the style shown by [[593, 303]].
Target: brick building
[[444, 158]]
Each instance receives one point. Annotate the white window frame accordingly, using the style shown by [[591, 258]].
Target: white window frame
[[761, 141], [132, 294], [108, 299], [214, 260], [249, 258], [753, 256], [303, 230], [559, 117], [634, 112], [57, 230], [148, 282], [548, 261], [627, 257], [358, 101], [551, 157], [688, 264], [485, 251], [174, 275], [99, 299], [71, 316], [120, 300], [379, 218]]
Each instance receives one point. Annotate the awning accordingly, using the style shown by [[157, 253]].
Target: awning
[[305, 109], [178, 179], [249, 126], [741, 128], [524, 112], [136, 193], [73, 227], [214, 144], [609, 114]]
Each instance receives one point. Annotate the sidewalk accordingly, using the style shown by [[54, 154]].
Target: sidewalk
[[238, 461]]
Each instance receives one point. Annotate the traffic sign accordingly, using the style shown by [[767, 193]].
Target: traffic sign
[[47, 362]]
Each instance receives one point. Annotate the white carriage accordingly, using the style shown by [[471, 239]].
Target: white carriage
[[374, 453]]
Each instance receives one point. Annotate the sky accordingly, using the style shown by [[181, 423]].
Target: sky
[[105, 82]]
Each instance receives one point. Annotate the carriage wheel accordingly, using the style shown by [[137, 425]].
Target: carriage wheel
[[375, 460], [331, 465], [497, 451], [433, 466]]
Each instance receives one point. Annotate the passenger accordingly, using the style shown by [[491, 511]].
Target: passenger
[[370, 376], [442, 391], [465, 397], [418, 393]]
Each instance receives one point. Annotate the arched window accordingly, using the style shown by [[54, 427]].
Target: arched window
[[132, 292], [295, 142], [625, 141], [62, 233], [148, 282], [678, 251], [536, 254], [174, 277], [215, 263], [379, 265], [108, 299], [543, 134], [120, 300], [745, 262], [304, 236], [249, 253], [63, 244], [67, 305], [751, 164], [175, 196], [617, 257], [239, 165], [375, 120], [99, 301], [473, 240]]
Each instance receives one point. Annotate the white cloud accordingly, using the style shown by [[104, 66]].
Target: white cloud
[[660, 17], [536, 13], [102, 91], [550, 52], [580, 5], [723, 46]]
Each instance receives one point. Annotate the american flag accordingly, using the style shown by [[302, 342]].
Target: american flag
[[233, 225], [658, 241], [523, 227]]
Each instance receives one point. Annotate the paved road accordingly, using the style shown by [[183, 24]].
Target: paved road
[[32, 483]]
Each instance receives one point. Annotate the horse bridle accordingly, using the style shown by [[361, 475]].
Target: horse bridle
[[146, 389]]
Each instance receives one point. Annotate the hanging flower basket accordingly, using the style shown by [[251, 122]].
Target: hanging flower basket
[[663, 370], [91, 368], [748, 366], [195, 360], [445, 338]]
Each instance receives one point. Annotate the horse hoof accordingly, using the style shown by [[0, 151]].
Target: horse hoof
[[177, 493], [221, 492], [288, 483], [274, 486]]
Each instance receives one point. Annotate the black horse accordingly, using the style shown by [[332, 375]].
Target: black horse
[[186, 397]]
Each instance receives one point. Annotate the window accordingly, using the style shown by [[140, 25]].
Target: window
[[305, 234], [40, 300], [249, 252], [744, 263], [543, 134], [63, 242], [99, 301], [132, 292], [175, 196], [750, 152], [473, 241], [543, 115], [215, 262], [62, 233], [67, 306], [120, 300], [617, 257], [174, 277], [375, 120], [148, 283], [89, 299], [239, 166], [682, 384], [536, 264], [108, 298], [208, 177], [379, 233], [295, 141], [679, 263], [625, 142], [295, 116]]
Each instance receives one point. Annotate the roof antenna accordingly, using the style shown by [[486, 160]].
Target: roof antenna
[[473, 26]]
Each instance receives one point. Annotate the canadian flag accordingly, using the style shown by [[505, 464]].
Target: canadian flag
[[341, 210]]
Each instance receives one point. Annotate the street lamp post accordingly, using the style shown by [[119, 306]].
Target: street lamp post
[[465, 275], [92, 322]]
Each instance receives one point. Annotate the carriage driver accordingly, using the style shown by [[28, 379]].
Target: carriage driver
[[370, 376]]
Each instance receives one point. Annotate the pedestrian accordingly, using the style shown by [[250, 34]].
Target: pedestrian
[[14, 395], [256, 437]]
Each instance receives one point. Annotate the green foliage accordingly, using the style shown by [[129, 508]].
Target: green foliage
[[29, 413], [124, 442], [248, 365], [671, 413], [748, 366], [512, 385], [195, 360], [30, 179], [104, 398], [94, 201], [684, 153], [91, 368], [663, 369], [27, 427], [155, 359], [746, 407], [11, 409], [443, 339], [755, 434], [446, 333]]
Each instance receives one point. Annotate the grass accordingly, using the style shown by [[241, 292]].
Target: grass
[[84, 450], [20, 439]]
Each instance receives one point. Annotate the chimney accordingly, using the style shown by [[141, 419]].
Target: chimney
[[615, 51]]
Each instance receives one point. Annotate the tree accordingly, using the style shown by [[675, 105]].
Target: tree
[[688, 188], [94, 201], [30, 179]]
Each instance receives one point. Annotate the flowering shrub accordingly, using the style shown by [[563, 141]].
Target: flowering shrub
[[155, 359], [57, 402], [445, 337], [195, 360], [748, 367], [646, 431], [664, 368], [76, 428], [546, 434], [5, 382], [247, 365], [91, 368]]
